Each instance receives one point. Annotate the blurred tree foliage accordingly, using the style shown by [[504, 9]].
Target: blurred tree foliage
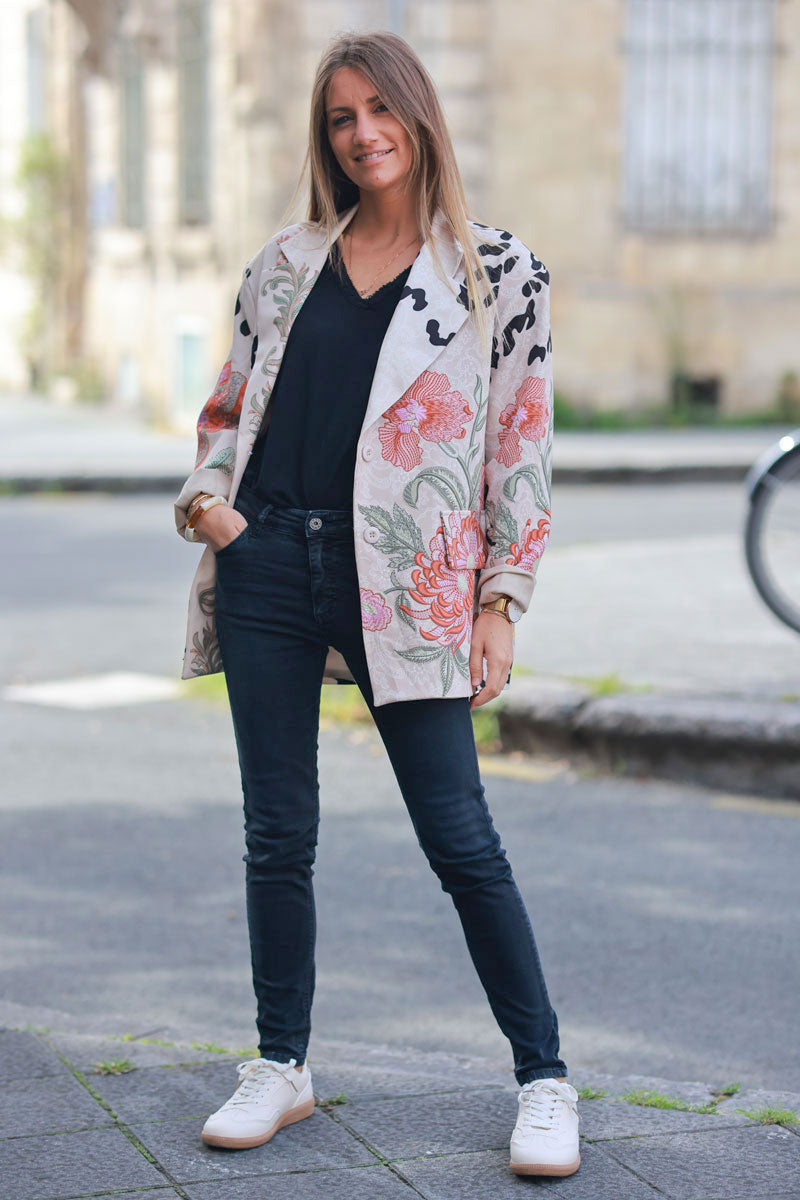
[[36, 242]]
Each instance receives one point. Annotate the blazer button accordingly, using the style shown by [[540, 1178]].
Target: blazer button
[[371, 534], [366, 452]]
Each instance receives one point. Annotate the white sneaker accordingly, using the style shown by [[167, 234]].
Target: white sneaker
[[545, 1137], [268, 1096]]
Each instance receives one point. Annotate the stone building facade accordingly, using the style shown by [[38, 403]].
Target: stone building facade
[[647, 150]]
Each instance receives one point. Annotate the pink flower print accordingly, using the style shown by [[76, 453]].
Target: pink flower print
[[528, 415], [464, 541], [531, 545], [375, 612], [428, 409]]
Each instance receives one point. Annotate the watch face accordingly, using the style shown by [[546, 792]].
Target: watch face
[[515, 610]]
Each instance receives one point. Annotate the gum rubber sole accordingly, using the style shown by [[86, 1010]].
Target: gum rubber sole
[[545, 1168], [294, 1114]]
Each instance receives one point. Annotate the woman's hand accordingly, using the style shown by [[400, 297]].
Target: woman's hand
[[220, 525], [492, 639]]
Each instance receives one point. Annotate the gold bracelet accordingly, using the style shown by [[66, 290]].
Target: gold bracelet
[[193, 511]]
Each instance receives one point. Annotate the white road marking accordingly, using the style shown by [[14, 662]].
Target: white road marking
[[95, 691]]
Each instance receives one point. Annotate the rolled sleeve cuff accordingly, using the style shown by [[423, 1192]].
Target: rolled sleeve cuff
[[506, 581]]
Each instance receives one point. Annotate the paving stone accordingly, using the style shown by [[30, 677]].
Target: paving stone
[[167, 1093], [376, 1083], [455, 1176], [617, 1085], [356, 1183], [84, 1050], [615, 1118], [48, 1105], [465, 1070], [463, 1121], [759, 1098], [165, 1193], [753, 1161], [24, 1056], [73, 1164], [313, 1144]]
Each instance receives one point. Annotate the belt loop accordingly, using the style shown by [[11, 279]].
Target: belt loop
[[262, 516]]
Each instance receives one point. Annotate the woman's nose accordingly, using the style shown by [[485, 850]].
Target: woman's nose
[[365, 128]]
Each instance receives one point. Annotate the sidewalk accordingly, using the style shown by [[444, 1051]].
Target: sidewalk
[[82, 448], [403, 1124]]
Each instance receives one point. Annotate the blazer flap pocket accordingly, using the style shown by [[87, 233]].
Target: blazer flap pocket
[[464, 541]]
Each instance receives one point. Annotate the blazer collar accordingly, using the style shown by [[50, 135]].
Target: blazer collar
[[427, 316], [308, 245]]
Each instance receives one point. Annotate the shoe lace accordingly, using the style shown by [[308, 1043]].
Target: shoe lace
[[258, 1076], [538, 1104]]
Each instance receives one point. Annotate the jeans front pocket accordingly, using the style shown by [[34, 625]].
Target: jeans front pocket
[[236, 542]]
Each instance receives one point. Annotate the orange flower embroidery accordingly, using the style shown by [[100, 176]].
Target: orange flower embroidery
[[531, 545], [445, 591], [427, 409], [528, 415]]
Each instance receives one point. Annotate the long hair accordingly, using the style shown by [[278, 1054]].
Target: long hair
[[404, 85]]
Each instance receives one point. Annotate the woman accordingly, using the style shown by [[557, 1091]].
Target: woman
[[379, 433]]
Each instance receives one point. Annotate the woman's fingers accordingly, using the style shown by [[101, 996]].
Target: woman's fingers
[[492, 640], [220, 525]]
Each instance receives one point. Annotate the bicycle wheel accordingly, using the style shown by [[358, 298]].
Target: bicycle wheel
[[772, 538]]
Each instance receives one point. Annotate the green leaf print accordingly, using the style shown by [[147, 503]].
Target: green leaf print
[[206, 657], [461, 661], [401, 536], [530, 474], [444, 481], [481, 408], [207, 601], [402, 598], [500, 520], [446, 672], [422, 654], [223, 460]]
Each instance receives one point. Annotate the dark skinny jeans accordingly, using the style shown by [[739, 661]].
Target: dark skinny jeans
[[287, 588]]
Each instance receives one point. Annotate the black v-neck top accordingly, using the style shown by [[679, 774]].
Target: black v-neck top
[[306, 458]]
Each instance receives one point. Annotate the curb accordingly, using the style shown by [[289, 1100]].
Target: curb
[[605, 473], [119, 484], [750, 746], [677, 473]]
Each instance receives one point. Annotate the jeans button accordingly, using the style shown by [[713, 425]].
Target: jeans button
[[315, 522]]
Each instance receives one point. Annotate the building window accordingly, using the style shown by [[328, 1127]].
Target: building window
[[193, 110], [36, 51], [698, 109], [132, 134]]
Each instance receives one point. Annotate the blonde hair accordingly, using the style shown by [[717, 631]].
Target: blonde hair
[[404, 85]]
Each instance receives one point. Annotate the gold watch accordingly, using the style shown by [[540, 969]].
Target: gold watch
[[511, 609]]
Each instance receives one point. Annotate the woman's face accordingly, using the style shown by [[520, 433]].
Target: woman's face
[[360, 125]]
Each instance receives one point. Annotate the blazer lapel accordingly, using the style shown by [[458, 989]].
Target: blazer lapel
[[427, 317]]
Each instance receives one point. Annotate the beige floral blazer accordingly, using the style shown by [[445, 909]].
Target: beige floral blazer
[[451, 493]]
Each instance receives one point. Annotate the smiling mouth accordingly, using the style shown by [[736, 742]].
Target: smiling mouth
[[373, 157]]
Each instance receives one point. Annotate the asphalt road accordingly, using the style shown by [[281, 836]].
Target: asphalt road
[[664, 914]]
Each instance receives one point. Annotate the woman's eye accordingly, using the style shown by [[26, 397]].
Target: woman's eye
[[344, 117]]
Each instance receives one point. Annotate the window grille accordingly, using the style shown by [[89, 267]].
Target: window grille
[[193, 110], [698, 115], [132, 134], [36, 53]]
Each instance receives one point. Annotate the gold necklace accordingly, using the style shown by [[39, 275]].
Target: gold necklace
[[364, 291]]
